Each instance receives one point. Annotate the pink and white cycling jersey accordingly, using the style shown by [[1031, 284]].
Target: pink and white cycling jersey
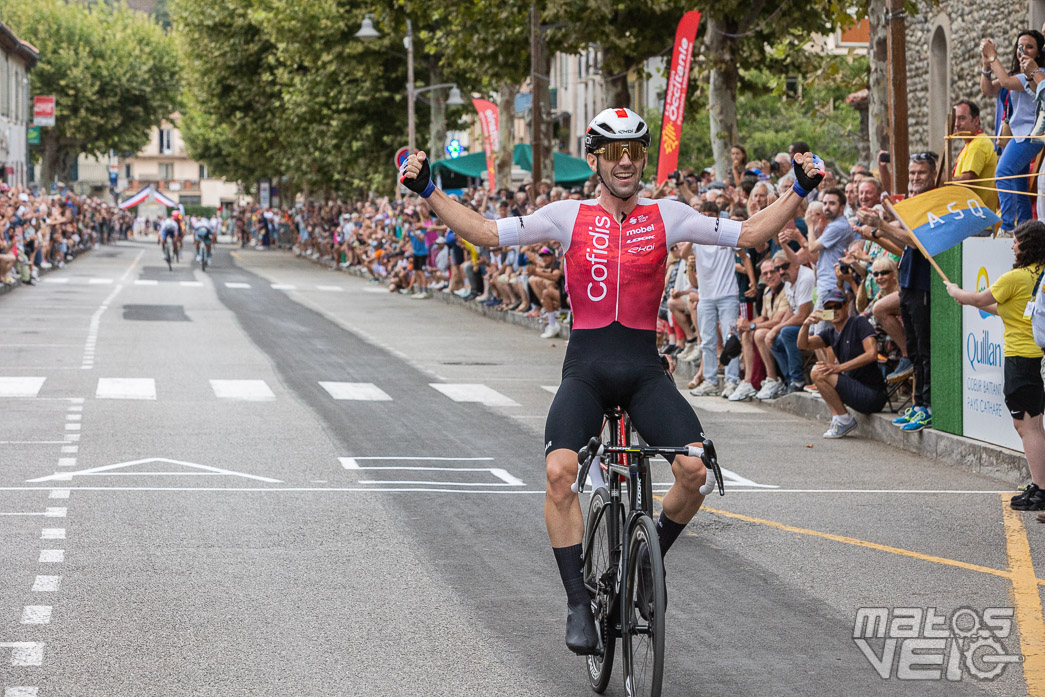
[[615, 269]]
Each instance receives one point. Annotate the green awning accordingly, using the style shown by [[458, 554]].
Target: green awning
[[569, 170]]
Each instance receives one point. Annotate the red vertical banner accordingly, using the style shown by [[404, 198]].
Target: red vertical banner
[[675, 96], [488, 122]]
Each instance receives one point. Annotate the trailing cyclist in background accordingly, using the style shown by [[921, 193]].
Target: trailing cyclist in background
[[203, 234]]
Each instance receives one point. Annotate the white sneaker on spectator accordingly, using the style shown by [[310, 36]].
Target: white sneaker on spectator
[[839, 429], [705, 389], [743, 392], [45, 265], [728, 390], [691, 351], [551, 332], [771, 389], [463, 293]]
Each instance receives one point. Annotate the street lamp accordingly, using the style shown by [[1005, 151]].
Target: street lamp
[[367, 32]]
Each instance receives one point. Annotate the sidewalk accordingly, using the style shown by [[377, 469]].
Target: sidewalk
[[968, 454]]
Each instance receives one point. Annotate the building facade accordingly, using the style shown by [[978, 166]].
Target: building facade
[[943, 60], [17, 58]]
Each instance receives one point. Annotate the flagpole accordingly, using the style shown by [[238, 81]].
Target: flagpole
[[915, 241]]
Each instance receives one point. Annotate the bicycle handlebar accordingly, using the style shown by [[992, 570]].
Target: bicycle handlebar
[[592, 454]]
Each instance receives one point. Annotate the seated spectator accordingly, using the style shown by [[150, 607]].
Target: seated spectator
[[774, 310], [977, 160], [546, 280], [850, 376], [782, 340]]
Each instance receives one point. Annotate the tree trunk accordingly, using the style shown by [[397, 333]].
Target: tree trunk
[[878, 97], [722, 93], [615, 92], [544, 68], [505, 134], [49, 159], [437, 119]]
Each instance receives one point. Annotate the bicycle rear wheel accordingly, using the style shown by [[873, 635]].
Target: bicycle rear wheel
[[645, 601], [204, 258], [167, 254], [599, 568]]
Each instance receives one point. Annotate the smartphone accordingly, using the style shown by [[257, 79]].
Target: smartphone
[[828, 315]]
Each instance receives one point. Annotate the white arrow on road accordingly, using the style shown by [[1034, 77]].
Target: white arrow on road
[[25, 653], [195, 470]]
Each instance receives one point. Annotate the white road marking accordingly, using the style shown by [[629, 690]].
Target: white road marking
[[126, 388], [73, 427], [20, 387], [350, 463], [232, 284], [67, 461], [284, 286], [191, 284], [96, 321], [52, 556], [52, 534], [246, 390], [146, 282], [25, 653], [109, 470], [73, 417], [48, 279], [100, 282], [72, 436], [21, 691], [333, 289], [32, 442], [69, 449], [724, 406], [360, 391], [554, 389], [372, 289], [75, 408], [36, 614], [474, 392], [47, 584], [59, 494], [51, 512]]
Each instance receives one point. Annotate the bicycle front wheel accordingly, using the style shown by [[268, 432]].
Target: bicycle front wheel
[[203, 259], [645, 601], [599, 568]]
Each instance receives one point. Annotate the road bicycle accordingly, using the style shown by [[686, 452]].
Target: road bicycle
[[167, 252], [204, 254], [623, 568]]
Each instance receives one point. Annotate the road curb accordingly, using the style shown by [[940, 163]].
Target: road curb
[[451, 299], [966, 453], [5, 289]]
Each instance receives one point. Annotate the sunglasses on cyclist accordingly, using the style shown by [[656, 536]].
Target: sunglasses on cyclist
[[615, 149], [876, 274], [783, 267]]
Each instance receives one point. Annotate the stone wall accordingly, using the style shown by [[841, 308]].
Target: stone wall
[[964, 23]]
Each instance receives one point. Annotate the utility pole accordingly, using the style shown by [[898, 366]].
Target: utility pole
[[898, 145], [535, 101], [410, 126]]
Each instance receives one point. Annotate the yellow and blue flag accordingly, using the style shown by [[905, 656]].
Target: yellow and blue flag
[[943, 217]]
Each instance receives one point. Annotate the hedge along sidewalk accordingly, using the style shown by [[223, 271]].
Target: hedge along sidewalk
[[971, 455], [451, 299], [5, 288], [968, 454]]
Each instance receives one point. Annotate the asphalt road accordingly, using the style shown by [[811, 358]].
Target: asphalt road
[[273, 479]]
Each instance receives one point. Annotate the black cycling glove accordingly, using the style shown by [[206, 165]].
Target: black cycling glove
[[803, 182], [421, 185]]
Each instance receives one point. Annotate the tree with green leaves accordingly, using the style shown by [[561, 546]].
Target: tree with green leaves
[[113, 72]]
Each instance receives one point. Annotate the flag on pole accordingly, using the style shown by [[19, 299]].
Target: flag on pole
[[488, 122], [943, 217], [675, 95]]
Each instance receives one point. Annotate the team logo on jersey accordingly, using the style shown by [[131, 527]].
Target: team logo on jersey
[[641, 239], [643, 218], [632, 221], [641, 250]]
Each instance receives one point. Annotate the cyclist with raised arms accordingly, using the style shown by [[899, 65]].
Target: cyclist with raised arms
[[615, 249]]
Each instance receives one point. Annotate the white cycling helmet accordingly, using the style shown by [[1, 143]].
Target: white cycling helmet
[[615, 124]]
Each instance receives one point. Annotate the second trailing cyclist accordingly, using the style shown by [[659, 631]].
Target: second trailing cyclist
[[615, 248]]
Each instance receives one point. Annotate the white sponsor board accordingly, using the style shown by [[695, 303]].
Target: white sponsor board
[[984, 415]]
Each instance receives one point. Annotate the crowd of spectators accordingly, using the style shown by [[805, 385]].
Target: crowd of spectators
[[44, 231]]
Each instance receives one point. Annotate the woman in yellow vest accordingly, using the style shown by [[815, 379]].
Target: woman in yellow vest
[[1011, 297]]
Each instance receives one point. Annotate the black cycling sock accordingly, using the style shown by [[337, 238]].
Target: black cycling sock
[[667, 532], [569, 562]]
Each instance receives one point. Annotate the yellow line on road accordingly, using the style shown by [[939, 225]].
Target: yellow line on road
[[1026, 601], [863, 543]]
